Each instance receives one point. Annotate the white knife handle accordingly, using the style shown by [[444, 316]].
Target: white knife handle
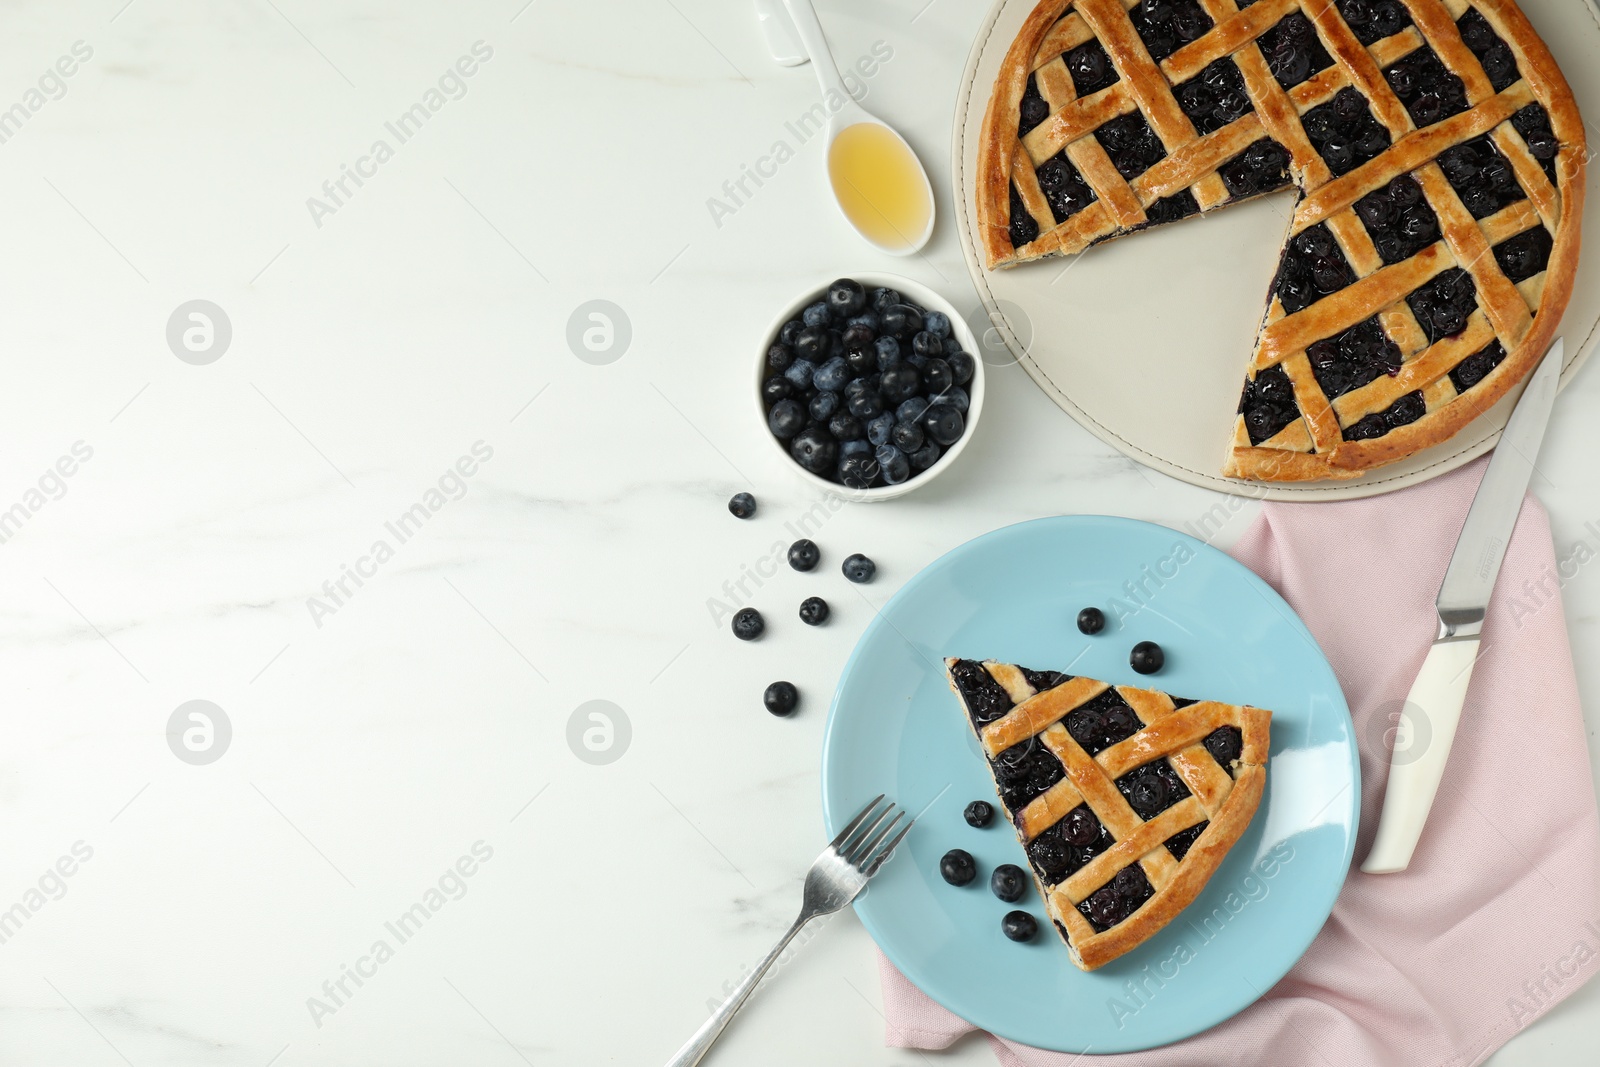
[[1428, 726]]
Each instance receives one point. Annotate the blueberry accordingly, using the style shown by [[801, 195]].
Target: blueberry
[[1148, 795], [832, 375], [938, 376], [1019, 926], [1080, 827], [962, 366], [858, 469], [823, 406], [846, 297], [869, 319], [781, 698], [804, 555], [979, 813], [912, 410], [1091, 621], [888, 352], [799, 373], [879, 429], [943, 423], [748, 624], [1008, 882], [894, 464], [779, 355], [786, 419], [790, 331], [1147, 657], [846, 427], [775, 389], [957, 867], [900, 320], [924, 343], [917, 361], [957, 398], [936, 323], [907, 437], [862, 360], [866, 405], [815, 450], [882, 298], [856, 336], [858, 568], [854, 446], [742, 506], [813, 611], [1105, 907], [814, 343], [901, 383], [815, 314], [926, 456]]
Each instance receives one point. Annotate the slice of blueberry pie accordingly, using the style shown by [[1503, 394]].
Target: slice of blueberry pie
[[1126, 800], [1439, 159]]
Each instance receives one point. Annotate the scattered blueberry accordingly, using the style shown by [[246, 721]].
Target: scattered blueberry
[[957, 867], [742, 506], [858, 568], [813, 611], [1008, 882], [1091, 621], [781, 698], [803, 555], [1019, 926], [748, 624], [979, 813], [1146, 657]]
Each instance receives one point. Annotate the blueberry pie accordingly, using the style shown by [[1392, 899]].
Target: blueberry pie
[[1126, 800], [1437, 152]]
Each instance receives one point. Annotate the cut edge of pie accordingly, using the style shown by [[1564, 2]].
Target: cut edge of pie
[[1444, 380], [1008, 707]]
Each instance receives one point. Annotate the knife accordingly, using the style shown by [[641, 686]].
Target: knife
[[1435, 700]]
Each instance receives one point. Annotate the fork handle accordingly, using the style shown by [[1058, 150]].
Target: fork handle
[[698, 1045]]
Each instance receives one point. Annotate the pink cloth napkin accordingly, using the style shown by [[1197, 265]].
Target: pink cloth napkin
[[1498, 917]]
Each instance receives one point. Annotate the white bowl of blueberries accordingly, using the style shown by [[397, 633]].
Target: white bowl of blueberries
[[869, 387]]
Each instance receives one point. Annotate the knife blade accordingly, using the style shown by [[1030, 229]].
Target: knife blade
[[1427, 722]]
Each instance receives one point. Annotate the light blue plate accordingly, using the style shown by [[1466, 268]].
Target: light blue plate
[[1013, 595]]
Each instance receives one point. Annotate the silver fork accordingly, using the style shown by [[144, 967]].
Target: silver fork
[[836, 878]]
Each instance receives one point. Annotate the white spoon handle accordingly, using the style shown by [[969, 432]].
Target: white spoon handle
[[816, 45]]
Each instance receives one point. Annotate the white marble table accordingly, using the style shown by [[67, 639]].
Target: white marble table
[[404, 740]]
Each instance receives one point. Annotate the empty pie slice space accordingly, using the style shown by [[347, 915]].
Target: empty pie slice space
[[1438, 158], [1126, 800]]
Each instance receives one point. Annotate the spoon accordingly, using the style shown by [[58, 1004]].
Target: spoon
[[878, 182]]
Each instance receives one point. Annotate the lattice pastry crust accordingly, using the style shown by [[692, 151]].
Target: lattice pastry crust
[[1438, 153], [1056, 744]]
